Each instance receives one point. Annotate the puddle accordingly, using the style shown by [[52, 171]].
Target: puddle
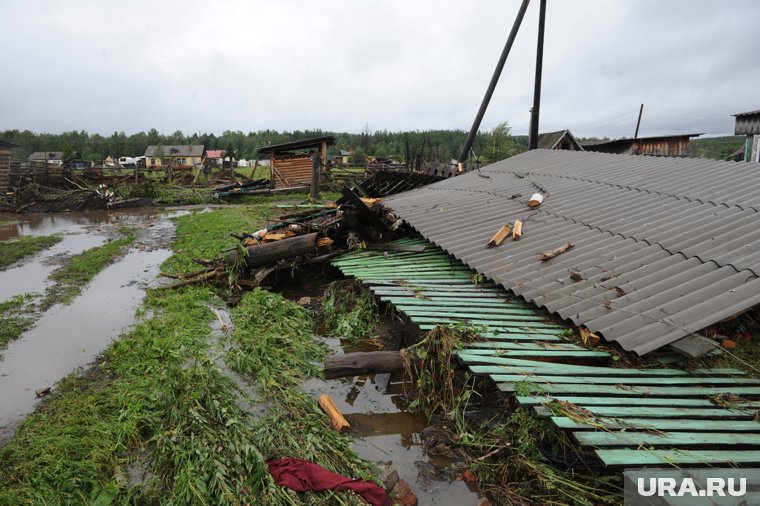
[[383, 431], [68, 337]]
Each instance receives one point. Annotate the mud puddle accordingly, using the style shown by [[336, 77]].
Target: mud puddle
[[384, 431], [68, 337]]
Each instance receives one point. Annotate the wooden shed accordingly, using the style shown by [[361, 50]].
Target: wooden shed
[[663, 145], [5, 165], [748, 123], [290, 163]]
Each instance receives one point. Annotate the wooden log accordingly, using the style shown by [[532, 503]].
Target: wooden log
[[499, 236], [355, 364], [517, 230], [339, 423], [545, 257], [271, 252]]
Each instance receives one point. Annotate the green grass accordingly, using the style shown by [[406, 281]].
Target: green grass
[[15, 250], [79, 270], [16, 317], [350, 311], [158, 396]]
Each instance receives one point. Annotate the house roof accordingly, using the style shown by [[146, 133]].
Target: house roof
[[214, 153], [46, 155], [182, 150], [314, 142], [663, 247], [6, 144], [749, 113], [550, 140], [632, 140]]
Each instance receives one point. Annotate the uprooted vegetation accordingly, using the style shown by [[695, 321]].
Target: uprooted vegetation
[[157, 420], [512, 454], [350, 310]]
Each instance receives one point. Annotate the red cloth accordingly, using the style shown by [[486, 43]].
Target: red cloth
[[301, 475]]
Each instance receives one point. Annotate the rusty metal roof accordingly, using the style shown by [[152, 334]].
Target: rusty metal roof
[[664, 247]]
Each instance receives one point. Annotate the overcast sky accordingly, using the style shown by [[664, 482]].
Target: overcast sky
[[201, 66]]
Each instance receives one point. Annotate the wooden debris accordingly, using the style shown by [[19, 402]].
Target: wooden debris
[[576, 276], [324, 242], [545, 257], [589, 338], [499, 236], [358, 363], [339, 423], [274, 236], [536, 200], [517, 230], [369, 202], [223, 326]]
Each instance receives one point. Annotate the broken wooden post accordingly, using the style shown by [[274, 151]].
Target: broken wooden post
[[356, 364], [270, 252], [517, 231], [339, 423], [545, 257], [315, 167], [499, 236]]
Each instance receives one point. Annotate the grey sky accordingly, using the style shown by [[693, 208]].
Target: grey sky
[[200, 66]]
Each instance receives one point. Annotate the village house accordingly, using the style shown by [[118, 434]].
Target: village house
[[187, 155], [661, 145], [49, 157], [748, 123]]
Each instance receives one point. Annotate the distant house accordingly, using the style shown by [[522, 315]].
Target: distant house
[[562, 139], [214, 157], [748, 123], [5, 165], [49, 157], [345, 156], [662, 145], [190, 155]]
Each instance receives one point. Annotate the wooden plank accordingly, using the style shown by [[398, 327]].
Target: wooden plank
[[433, 301], [661, 424], [504, 313], [520, 345], [625, 438], [496, 373], [521, 337], [657, 412], [554, 388], [486, 322], [550, 369], [538, 400], [620, 457]]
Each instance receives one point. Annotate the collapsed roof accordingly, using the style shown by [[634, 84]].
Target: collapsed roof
[[663, 247]]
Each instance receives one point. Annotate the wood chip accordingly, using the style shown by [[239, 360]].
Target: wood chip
[[499, 236], [517, 230], [545, 257]]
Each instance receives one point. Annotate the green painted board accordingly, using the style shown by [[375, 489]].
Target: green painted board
[[522, 337], [658, 412], [481, 304], [661, 424], [555, 388], [546, 353], [537, 400], [440, 290], [549, 368], [496, 374], [527, 345], [516, 323], [397, 271], [417, 281], [624, 457], [625, 438], [434, 308], [502, 318]]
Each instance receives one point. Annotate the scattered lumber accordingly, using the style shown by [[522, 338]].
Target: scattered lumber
[[545, 257], [339, 423], [263, 254], [589, 338], [517, 230], [499, 236], [356, 364]]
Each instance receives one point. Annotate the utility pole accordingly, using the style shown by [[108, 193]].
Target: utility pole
[[638, 122], [494, 79], [534, 112]]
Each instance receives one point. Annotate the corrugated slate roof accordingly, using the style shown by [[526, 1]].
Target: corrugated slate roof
[[665, 246]]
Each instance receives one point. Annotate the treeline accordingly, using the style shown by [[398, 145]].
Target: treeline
[[430, 144]]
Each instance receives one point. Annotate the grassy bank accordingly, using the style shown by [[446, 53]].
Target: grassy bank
[[15, 250], [16, 317], [159, 421]]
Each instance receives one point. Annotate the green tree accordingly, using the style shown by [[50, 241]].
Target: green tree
[[500, 144]]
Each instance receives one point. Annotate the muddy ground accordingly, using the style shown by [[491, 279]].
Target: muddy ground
[[70, 337]]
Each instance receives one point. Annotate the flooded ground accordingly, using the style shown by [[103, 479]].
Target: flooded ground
[[67, 337], [384, 431]]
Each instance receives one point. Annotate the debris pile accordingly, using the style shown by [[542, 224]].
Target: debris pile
[[234, 189], [303, 238]]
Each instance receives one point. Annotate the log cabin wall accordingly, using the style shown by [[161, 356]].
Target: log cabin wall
[[5, 169], [291, 170]]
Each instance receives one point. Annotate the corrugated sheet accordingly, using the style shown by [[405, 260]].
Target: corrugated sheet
[[665, 246]]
